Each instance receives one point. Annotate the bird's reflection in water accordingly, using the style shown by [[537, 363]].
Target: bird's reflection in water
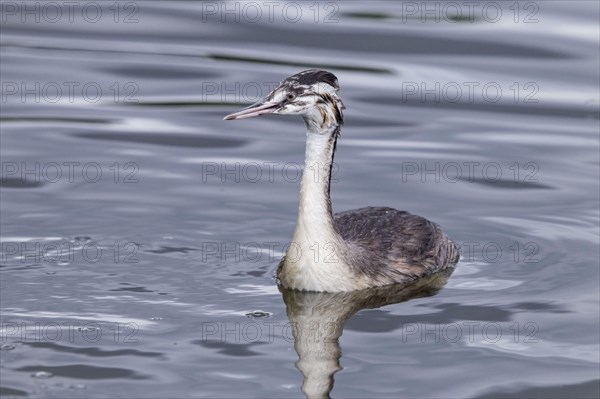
[[318, 319]]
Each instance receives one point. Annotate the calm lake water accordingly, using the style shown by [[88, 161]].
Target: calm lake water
[[140, 232]]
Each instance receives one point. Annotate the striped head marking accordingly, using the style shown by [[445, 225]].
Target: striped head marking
[[313, 94]]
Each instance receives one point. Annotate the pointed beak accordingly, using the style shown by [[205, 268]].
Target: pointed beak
[[260, 108]]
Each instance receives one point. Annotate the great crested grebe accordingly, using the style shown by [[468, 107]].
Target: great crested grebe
[[351, 250]]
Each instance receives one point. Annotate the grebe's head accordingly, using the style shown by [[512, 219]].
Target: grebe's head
[[312, 94]]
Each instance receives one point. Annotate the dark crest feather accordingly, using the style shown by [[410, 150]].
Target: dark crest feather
[[312, 76]]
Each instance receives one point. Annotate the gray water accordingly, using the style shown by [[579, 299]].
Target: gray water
[[140, 232]]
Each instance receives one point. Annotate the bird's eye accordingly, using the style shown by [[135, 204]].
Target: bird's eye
[[290, 96]]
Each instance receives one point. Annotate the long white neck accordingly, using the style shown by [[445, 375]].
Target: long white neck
[[316, 258], [315, 219]]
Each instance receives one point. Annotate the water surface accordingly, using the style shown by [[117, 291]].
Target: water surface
[[140, 232]]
